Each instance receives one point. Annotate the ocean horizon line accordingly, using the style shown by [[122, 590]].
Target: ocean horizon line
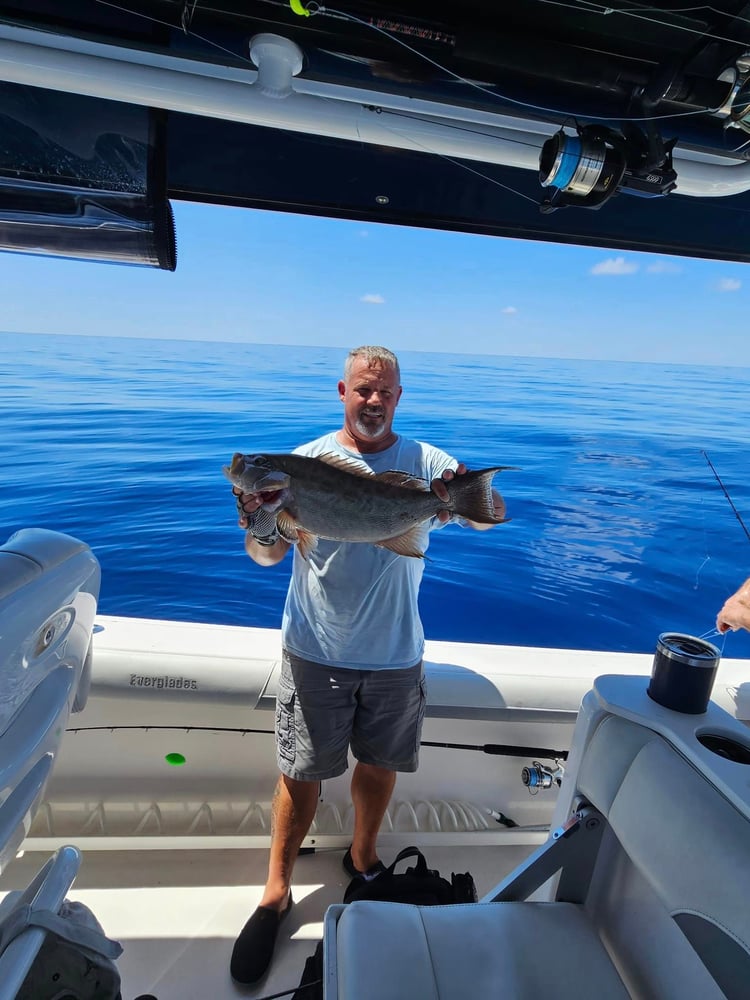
[[399, 351]]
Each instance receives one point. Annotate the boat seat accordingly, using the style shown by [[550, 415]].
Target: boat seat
[[49, 589], [519, 950], [634, 913]]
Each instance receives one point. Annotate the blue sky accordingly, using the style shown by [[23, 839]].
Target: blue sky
[[267, 277]]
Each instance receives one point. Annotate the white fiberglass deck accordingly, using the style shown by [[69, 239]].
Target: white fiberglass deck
[[177, 913]]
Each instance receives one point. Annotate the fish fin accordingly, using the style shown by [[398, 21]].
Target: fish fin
[[405, 479], [406, 544], [287, 527], [392, 477], [471, 495], [291, 532], [307, 542], [345, 465]]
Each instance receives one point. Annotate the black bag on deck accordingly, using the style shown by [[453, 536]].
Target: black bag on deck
[[420, 886]]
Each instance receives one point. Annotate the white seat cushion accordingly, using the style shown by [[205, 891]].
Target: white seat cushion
[[523, 951]]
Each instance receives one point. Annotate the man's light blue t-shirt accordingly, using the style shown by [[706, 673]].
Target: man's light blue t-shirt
[[351, 604]]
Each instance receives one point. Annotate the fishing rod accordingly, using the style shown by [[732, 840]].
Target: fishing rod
[[726, 494], [494, 749], [504, 750]]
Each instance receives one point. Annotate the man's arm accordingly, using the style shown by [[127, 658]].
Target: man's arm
[[264, 551], [438, 487], [736, 611], [266, 555]]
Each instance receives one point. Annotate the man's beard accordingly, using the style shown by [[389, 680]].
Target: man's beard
[[368, 431]]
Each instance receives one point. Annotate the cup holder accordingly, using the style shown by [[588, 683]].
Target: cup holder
[[726, 747]]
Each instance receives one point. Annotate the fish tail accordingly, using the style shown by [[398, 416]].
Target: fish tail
[[471, 496]]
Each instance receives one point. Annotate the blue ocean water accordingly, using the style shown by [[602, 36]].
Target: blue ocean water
[[620, 530]]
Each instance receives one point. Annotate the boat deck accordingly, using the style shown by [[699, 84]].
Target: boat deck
[[178, 912]]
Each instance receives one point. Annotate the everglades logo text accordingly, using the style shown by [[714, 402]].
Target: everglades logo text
[[176, 683]]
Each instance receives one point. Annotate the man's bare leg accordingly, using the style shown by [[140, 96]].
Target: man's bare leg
[[371, 792], [292, 812]]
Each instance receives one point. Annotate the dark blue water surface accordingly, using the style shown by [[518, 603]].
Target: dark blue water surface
[[620, 530]]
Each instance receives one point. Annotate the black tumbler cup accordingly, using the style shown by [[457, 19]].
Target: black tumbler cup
[[683, 672]]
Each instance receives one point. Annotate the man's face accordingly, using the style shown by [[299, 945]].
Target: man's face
[[370, 397]]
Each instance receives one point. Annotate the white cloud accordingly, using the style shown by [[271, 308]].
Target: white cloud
[[728, 285], [664, 267], [615, 265], [376, 300], [509, 310]]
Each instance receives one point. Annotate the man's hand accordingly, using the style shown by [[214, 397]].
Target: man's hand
[[438, 487], [736, 611], [247, 504], [265, 553]]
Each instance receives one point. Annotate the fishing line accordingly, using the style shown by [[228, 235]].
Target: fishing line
[[606, 10], [464, 166], [706, 558], [726, 494], [719, 576], [186, 30], [692, 10], [449, 125], [188, 13], [493, 749], [713, 635]]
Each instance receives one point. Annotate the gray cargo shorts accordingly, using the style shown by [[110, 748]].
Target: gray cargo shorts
[[322, 711]]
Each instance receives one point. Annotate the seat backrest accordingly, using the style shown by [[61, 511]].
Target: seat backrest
[[679, 842], [49, 588]]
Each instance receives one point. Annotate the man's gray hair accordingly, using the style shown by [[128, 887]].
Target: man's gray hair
[[371, 355]]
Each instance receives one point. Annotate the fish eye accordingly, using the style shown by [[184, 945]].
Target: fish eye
[[259, 460]]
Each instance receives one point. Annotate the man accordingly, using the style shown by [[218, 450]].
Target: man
[[352, 652], [736, 610]]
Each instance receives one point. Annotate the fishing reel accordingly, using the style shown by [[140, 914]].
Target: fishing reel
[[587, 169], [540, 776]]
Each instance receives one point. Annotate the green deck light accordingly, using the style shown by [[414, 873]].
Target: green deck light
[[175, 759]]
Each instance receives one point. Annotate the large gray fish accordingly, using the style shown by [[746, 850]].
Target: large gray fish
[[329, 497]]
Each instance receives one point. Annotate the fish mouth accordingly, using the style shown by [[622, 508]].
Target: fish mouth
[[271, 483], [270, 494]]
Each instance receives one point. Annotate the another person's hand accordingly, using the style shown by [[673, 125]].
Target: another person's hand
[[736, 611], [438, 487]]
